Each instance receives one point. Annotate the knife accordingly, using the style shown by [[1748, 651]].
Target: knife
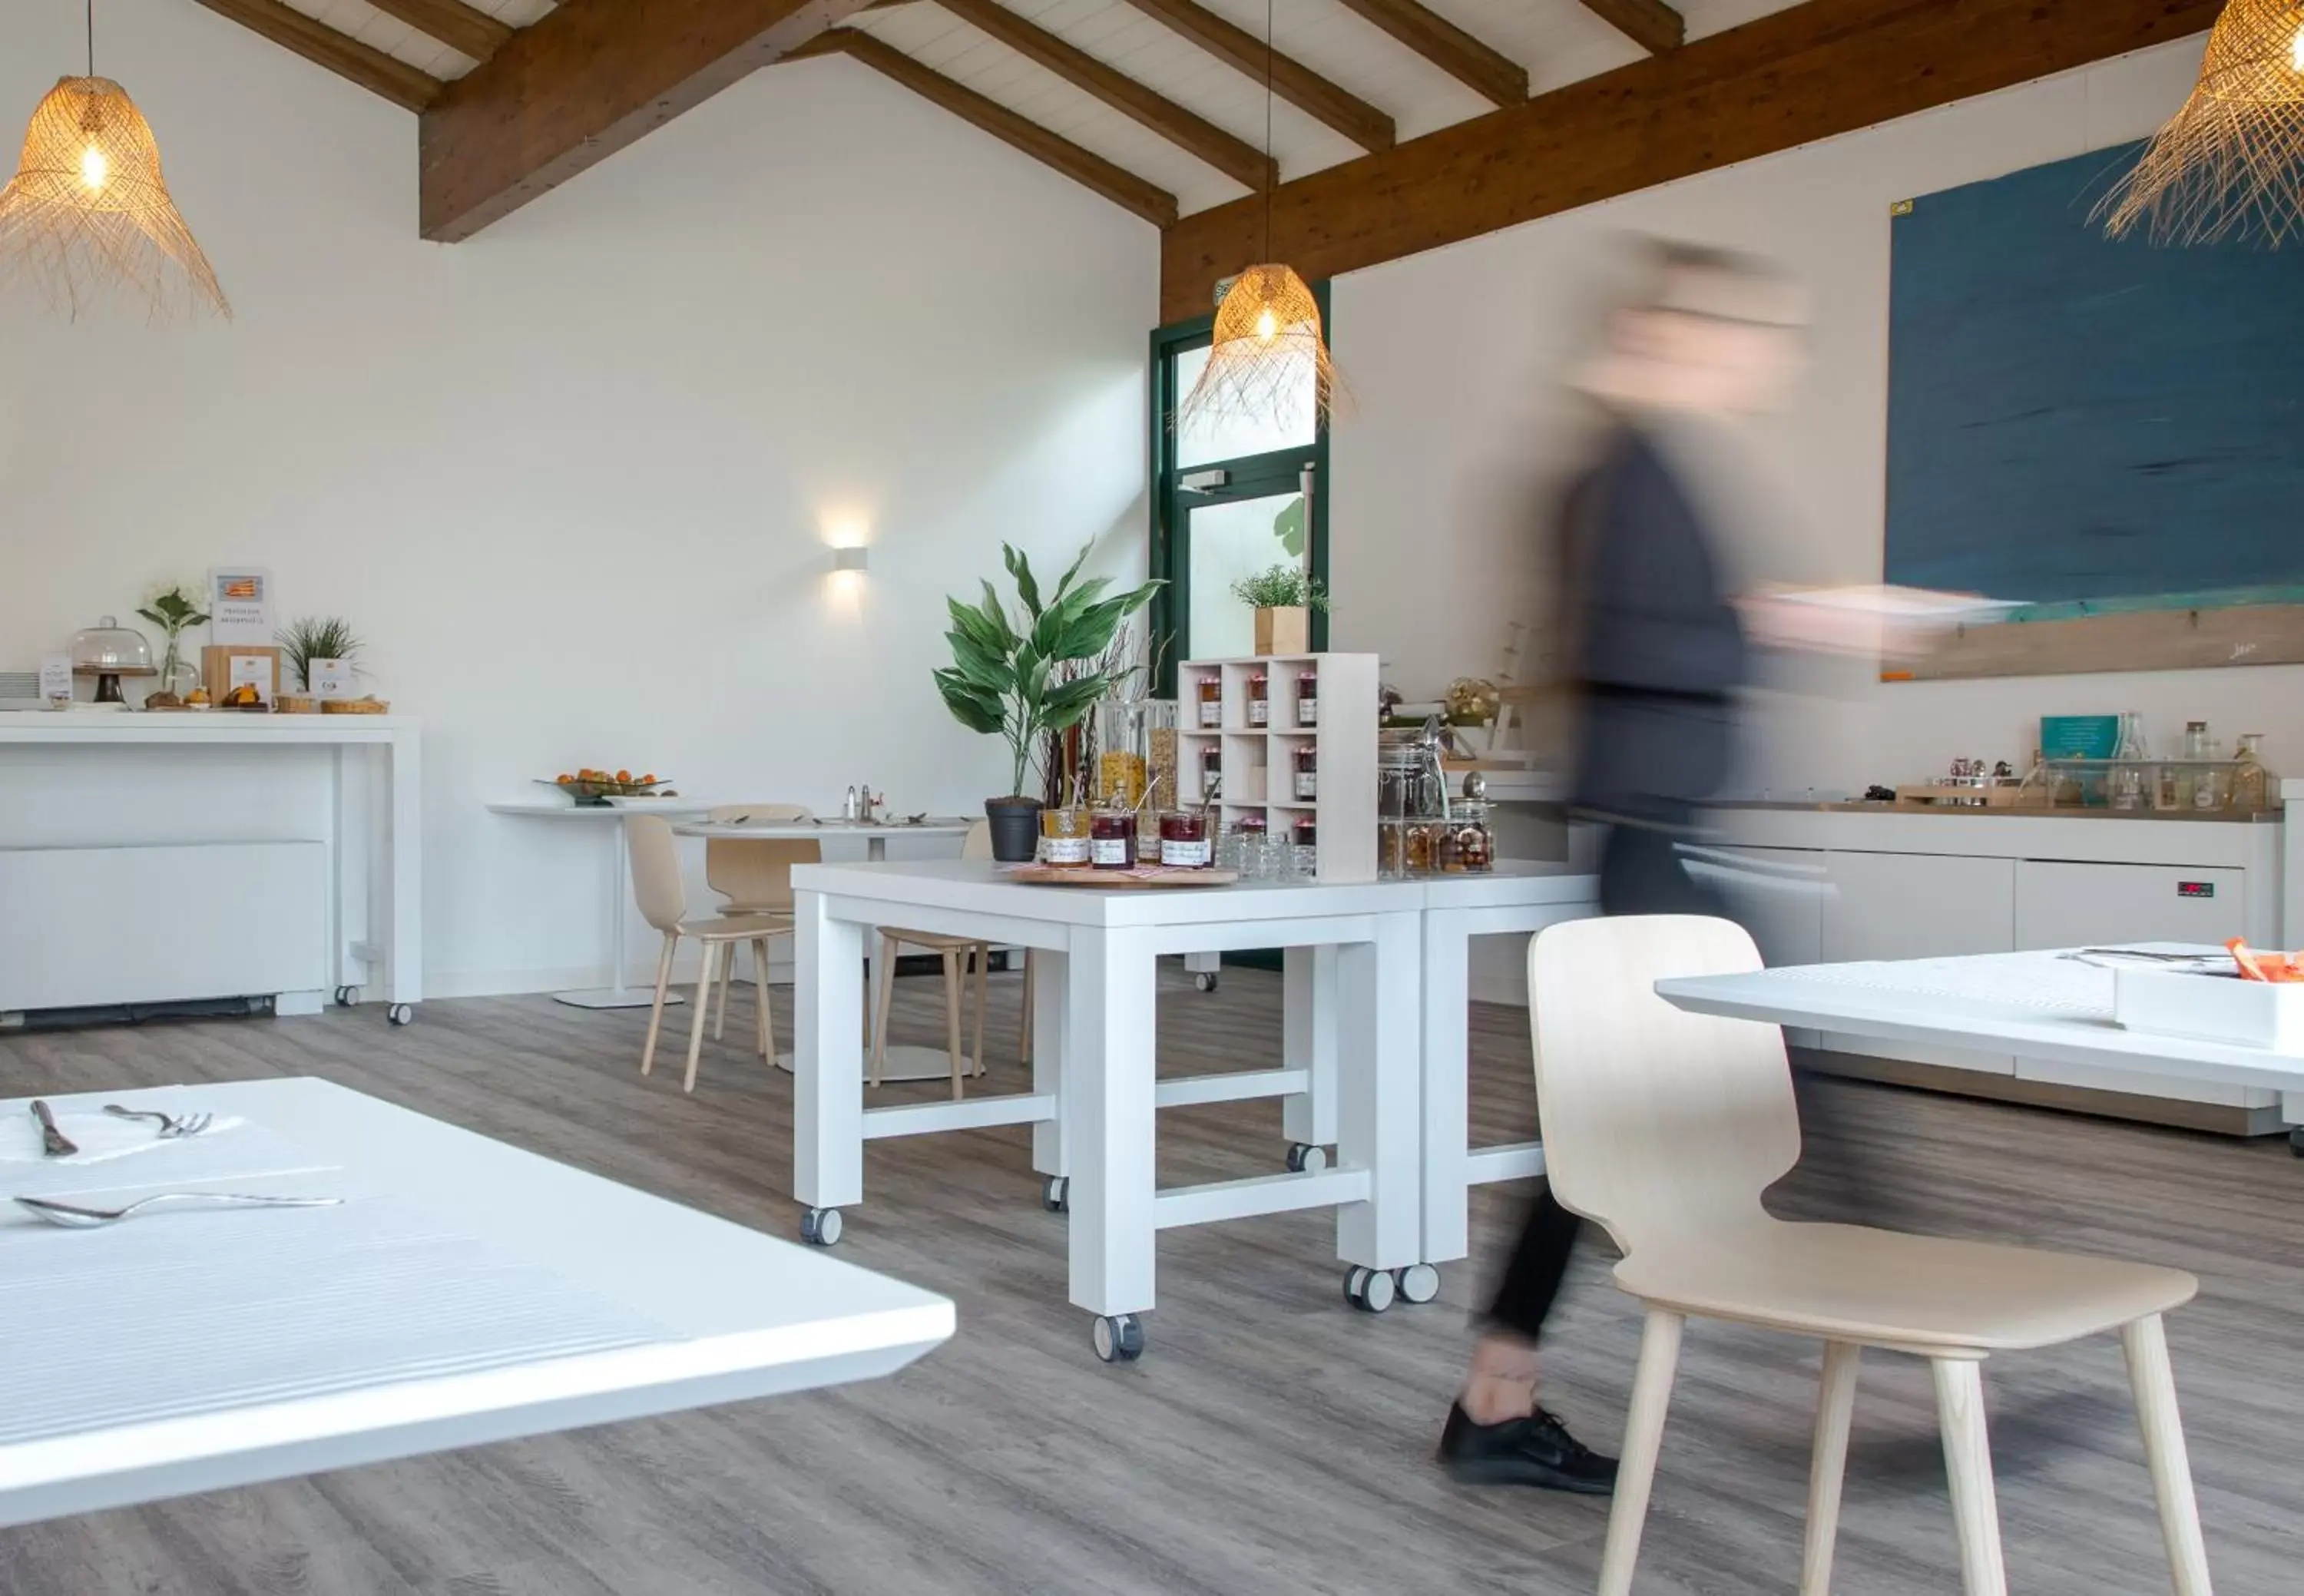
[[53, 1142]]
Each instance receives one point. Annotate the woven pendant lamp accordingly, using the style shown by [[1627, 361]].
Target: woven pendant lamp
[[2231, 162], [1269, 337]]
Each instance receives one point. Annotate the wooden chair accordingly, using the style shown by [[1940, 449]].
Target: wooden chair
[[1664, 1128], [953, 951], [664, 902], [754, 877]]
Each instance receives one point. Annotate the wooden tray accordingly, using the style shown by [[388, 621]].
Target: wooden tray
[[1142, 876]]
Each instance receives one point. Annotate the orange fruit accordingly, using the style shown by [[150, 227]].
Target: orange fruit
[[648, 780], [623, 776], [564, 779]]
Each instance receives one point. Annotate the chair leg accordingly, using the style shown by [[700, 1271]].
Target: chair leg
[[1024, 1027], [1835, 1405], [727, 980], [1967, 1463], [952, 985], [977, 1065], [1643, 1439], [655, 1014], [713, 953], [880, 1010], [765, 1018], [2154, 1382]]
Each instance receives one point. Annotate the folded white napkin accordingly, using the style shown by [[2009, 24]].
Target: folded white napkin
[[100, 1137]]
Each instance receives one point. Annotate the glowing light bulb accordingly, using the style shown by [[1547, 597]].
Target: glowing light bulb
[[94, 168], [1267, 326], [2296, 50]]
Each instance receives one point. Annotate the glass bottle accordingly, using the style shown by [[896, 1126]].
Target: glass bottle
[[1211, 771], [2209, 783], [1307, 699], [1307, 774], [1260, 699], [1211, 703], [2250, 788], [2195, 747], [2129, 777]]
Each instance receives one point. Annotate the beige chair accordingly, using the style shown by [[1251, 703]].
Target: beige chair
[[961, 956], [664, 902], [754, 877], [1665, 1127]]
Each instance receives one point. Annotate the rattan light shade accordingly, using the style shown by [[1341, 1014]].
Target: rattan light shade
[[1269, 360], [2231, 162], [89, 211]]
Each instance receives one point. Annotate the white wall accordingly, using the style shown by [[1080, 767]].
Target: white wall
[[1462, 432], [573, 480]]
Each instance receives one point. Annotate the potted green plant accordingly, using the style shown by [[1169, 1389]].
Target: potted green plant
[[316, 637], [174, 609], [1002, 681], [1284, 597]]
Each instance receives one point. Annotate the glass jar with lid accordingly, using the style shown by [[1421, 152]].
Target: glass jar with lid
[[1064, 838], [1411, 798], [2250, 782], [1307, 699], [1211, 700], [1260, 699], [1211, 772], [1184, 839], [1123, 753], [1307, 786], [1468, 843], [109, 651], [1111, 839]]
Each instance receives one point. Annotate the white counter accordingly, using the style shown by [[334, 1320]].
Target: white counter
[[150, 858]]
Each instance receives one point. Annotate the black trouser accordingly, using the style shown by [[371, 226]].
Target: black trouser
[[1640, 873]]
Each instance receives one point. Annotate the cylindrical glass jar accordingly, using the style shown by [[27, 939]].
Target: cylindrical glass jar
[[1308, 833], [1307, 699], [1184, 839], [1063, 838], [1211, 771], [1124, 745], [1307, 774], [1468, 846], [1260, 699], [1211, 703], [1112, 840], [1161, 791]]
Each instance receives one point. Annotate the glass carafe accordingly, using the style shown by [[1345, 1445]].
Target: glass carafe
[[2130, 779], [2250, 784]]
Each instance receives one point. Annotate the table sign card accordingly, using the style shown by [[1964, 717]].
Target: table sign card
[[240, 605], [329, 678], [56, 677], [224, 668]]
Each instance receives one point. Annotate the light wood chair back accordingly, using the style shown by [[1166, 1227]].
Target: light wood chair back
[[978, 842], [655, 855], [1664, 1126], [756, 877]]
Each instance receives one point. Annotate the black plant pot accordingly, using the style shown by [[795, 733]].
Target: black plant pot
[[1015, 829]]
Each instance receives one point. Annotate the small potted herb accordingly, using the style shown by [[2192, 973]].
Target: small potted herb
[[316, 638], [1284, 597]]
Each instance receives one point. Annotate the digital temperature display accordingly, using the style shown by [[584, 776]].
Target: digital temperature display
[[2196, 889]]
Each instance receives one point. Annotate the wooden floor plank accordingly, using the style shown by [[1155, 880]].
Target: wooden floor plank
[[1272, 1441]]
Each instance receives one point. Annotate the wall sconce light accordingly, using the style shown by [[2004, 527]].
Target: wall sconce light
[[854, 558]]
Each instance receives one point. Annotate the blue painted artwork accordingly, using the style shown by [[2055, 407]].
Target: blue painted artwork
[[2087, 426]]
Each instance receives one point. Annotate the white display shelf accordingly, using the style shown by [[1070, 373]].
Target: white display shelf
[[1259, 762]]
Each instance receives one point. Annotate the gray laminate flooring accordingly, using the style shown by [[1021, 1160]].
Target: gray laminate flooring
[[1271, 1440]]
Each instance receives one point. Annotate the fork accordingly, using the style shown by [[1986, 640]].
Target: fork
[[172, 1125], [71, 1216]]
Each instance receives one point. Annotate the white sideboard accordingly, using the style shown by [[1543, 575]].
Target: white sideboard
[[159, 857], [1839, 883]]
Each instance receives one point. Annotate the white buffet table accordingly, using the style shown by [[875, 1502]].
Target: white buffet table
[[159, 857], [464, 1293]]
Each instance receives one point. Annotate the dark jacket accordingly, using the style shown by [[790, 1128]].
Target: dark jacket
[[1654, 646]]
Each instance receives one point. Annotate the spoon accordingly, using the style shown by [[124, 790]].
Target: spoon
[[71, 1216]]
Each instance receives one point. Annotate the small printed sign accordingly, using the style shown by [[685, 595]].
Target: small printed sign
[[56, 677], [253, 670], [329, 678], [240, 605]]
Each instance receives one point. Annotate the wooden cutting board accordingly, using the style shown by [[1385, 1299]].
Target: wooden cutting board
[[1142, 876]]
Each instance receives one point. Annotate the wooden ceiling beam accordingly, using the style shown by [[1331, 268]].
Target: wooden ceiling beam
[[340, 53], [464, 28], [590, 78], [1292, 80], [1116, 184], [1650, 24], [1813, 71], [1492, 75], [1236, 159]]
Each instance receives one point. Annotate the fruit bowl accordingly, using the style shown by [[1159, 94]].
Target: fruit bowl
[[592, 789]]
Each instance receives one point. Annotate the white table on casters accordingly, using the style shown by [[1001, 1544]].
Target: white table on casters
[[610, 819], [903, 1063], [2034, 1004], [1094, 1096], [743, 1315]]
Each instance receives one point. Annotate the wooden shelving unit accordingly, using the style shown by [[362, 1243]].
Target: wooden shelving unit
[[1259, 763]]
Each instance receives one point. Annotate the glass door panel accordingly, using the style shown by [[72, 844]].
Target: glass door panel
[[1228, 538]]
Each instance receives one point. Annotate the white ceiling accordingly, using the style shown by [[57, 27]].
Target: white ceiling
[[1558, 41]]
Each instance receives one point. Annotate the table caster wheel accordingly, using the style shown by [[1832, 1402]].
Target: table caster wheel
[[1119, 1338], [1056, 1193], [401, 1014], [1305, 1159], [344, 996], [1206, 981], [1370, 1291], [820, 1226], [1419, 1282]]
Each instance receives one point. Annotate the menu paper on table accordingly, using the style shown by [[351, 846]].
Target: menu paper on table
[[329, 678], [240, 605], [56, 677]]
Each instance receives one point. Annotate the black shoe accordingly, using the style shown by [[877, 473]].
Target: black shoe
[[1536, 1450]]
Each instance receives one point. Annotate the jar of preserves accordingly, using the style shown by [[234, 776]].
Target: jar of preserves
[[1184, 839], [1112, 840], [1307, 774], [1211, 772], [1260, 699], [1211, 703], [1064, 838], [1468, 845], [1307, 699], [1308, 833]]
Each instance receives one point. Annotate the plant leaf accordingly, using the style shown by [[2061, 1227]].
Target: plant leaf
[[971, 708], [1028, 589]]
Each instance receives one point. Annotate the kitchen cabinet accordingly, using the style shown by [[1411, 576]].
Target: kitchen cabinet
[[1917, 906]]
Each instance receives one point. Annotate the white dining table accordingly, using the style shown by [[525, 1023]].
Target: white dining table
[[463, 1292], [2034, 1004], [1094, 1095]]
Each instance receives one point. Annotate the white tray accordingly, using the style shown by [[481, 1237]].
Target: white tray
[[2216, 1009]]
